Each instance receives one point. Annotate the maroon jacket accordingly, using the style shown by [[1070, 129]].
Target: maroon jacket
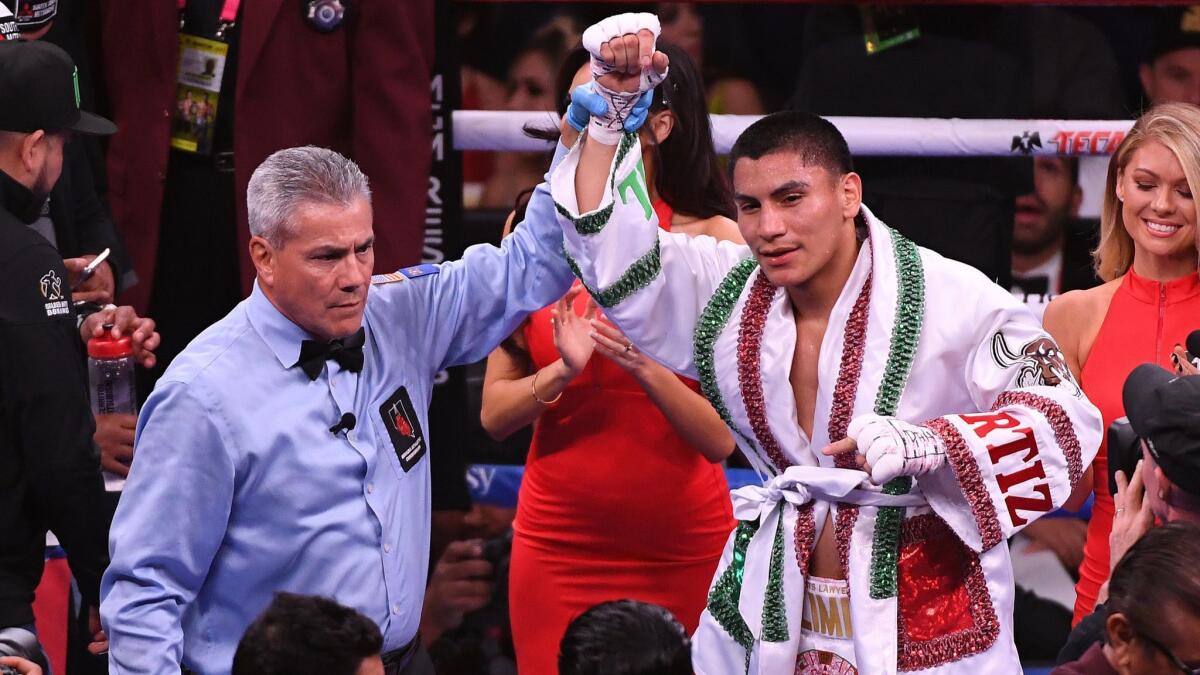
[[362, 90], [1093, 662]]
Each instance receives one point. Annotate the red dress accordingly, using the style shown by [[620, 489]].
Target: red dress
[[614, 504], [1144, 322]]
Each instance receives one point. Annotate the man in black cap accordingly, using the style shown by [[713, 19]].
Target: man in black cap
[[1170, 69], [1164, 411], [49, 473]]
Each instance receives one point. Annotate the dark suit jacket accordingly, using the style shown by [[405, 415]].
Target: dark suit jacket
[[362, 90], [1078, 272], [81, 224]]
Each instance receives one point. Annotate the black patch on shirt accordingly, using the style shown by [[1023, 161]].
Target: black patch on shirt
[[402, 426]]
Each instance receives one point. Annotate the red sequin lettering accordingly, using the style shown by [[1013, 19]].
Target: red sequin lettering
[[1025, 442], [989, 422], [1029, 504], [1006, 481]]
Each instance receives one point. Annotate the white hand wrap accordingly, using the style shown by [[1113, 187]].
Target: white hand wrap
[[893, 447], [607, 129]]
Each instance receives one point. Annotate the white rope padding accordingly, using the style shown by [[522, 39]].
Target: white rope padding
[[896, 136]]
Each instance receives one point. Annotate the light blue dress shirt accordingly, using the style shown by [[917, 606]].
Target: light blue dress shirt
[[239, 489]]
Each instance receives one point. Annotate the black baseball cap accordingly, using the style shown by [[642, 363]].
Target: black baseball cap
[[1164, 410], [39, 85], [1174, 28]]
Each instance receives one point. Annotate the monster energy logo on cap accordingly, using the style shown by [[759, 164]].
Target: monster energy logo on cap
[[44, 79]]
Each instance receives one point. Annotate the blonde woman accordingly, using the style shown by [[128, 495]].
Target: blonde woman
[[1151, 298]]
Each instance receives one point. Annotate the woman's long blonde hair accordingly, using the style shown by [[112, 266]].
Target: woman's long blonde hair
[[1177, 127]]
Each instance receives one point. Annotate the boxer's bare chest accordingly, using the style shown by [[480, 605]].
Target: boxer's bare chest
[[805, 375]]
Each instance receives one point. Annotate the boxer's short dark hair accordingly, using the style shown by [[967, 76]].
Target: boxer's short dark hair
[[811, 136]]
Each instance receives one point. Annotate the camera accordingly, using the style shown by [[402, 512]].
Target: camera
[[20, 642], [1124, 451], [497, 551]]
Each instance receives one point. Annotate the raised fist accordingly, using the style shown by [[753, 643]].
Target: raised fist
[[625, 65]]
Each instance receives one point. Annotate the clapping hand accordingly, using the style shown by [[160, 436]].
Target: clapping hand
[[613, 344], [572, 332]]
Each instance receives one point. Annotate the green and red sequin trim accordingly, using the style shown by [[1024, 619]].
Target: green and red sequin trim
[[1060, 422], [708, 328], [727, 591], [639, 275], [595, 221], [749, 368], [921, 654], [970, 481], [906, 332]]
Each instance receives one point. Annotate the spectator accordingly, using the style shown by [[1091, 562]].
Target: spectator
[[1153, 612], [465, 620], [647, 433], [274, 498], [625, 637], [358, 83], [683, 25], [1051, 247], [530, 87], [49, 474], [1150, 298], [78, 225], [968, 62], [307, 635], [1165, 486], [1170, 69]]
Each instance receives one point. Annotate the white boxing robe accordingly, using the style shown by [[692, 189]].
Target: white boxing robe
[[913, 334]]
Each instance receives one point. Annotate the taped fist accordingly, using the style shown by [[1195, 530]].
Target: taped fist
[[625, 67], [892, 447]]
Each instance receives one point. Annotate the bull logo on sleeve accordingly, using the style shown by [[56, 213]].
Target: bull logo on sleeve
[[1040, 361]]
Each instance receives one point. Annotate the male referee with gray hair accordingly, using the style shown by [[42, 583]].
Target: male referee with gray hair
[[285, 448]]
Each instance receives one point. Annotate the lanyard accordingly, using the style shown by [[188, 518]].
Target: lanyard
[[229, 12]]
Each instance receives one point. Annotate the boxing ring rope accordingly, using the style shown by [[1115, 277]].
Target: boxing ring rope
[[893, 136]]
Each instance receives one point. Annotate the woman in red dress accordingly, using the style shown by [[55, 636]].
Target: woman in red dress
[[623, 494], [1151, 301]]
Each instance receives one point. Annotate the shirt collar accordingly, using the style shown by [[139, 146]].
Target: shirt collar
[[1166, 292], [18, 199], [281, 335]]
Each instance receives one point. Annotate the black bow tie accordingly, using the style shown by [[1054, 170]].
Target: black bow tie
[[346, 351], [1037, 284]]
